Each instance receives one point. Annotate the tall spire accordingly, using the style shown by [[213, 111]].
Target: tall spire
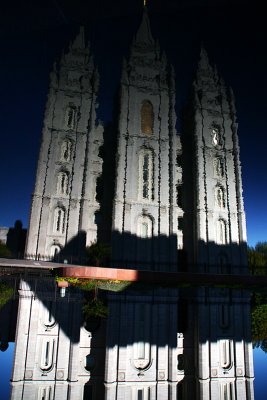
[[143, 35], [204, 64], [79, 41]]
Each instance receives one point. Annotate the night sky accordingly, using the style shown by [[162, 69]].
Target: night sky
[[33, 35]]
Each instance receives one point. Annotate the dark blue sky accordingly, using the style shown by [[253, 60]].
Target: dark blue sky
[[33, 34]]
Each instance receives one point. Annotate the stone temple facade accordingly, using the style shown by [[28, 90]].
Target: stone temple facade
[[165, 202]]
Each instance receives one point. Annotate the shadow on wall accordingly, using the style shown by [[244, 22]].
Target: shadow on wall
[[142, 319], [157, 253]]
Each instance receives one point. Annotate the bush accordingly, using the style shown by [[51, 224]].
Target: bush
[[98, 254], [4, 250], [6, 293], [95, 308]]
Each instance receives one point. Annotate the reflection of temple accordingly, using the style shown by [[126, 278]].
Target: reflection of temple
[[170, 195], [192, 346]]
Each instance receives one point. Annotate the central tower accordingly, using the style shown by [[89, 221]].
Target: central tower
[[145, 209]]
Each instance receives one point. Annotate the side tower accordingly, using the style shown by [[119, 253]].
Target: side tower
[[145, 210], [63, 203], [214, 221]]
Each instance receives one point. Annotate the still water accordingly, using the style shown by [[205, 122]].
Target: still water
[[196, 342]]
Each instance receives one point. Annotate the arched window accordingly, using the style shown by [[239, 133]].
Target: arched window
[[221, 232], [47, 354], [227, 391], [55, 250], [146, 175], [219, 197], [59, 220], [66, 149], [225, 353], [63, 183], [224, 316], [70, 116], [141, 347], [147, 118], [44, 393], [145, 227]]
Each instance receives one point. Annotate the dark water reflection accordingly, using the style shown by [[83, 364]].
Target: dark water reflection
[[157, 343]]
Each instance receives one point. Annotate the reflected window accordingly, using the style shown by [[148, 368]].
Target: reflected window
[[224, 315], [227, 391], [44, 393], [49, 311], [141, 334], [147, 118], [47, 354], [141, 347], [225, 353], [140, 394]]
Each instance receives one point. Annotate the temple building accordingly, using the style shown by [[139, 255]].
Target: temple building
[[164, 201]]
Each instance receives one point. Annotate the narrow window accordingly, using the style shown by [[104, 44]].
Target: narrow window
[[147, 118], [141, 334], [63, 183], [47, 354], [59, 220], [224, 315], [219, 197], [70, 116], [218, 167], [66, 149], [225, 353], [146, 175], [144, 230], [44, 393], [140, 394], [221, 232]]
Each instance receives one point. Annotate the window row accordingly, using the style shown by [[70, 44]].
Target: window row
[[146, 114]]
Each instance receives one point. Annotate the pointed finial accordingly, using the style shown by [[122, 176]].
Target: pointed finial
[[203, 64], [143, 34], [79, 41]]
